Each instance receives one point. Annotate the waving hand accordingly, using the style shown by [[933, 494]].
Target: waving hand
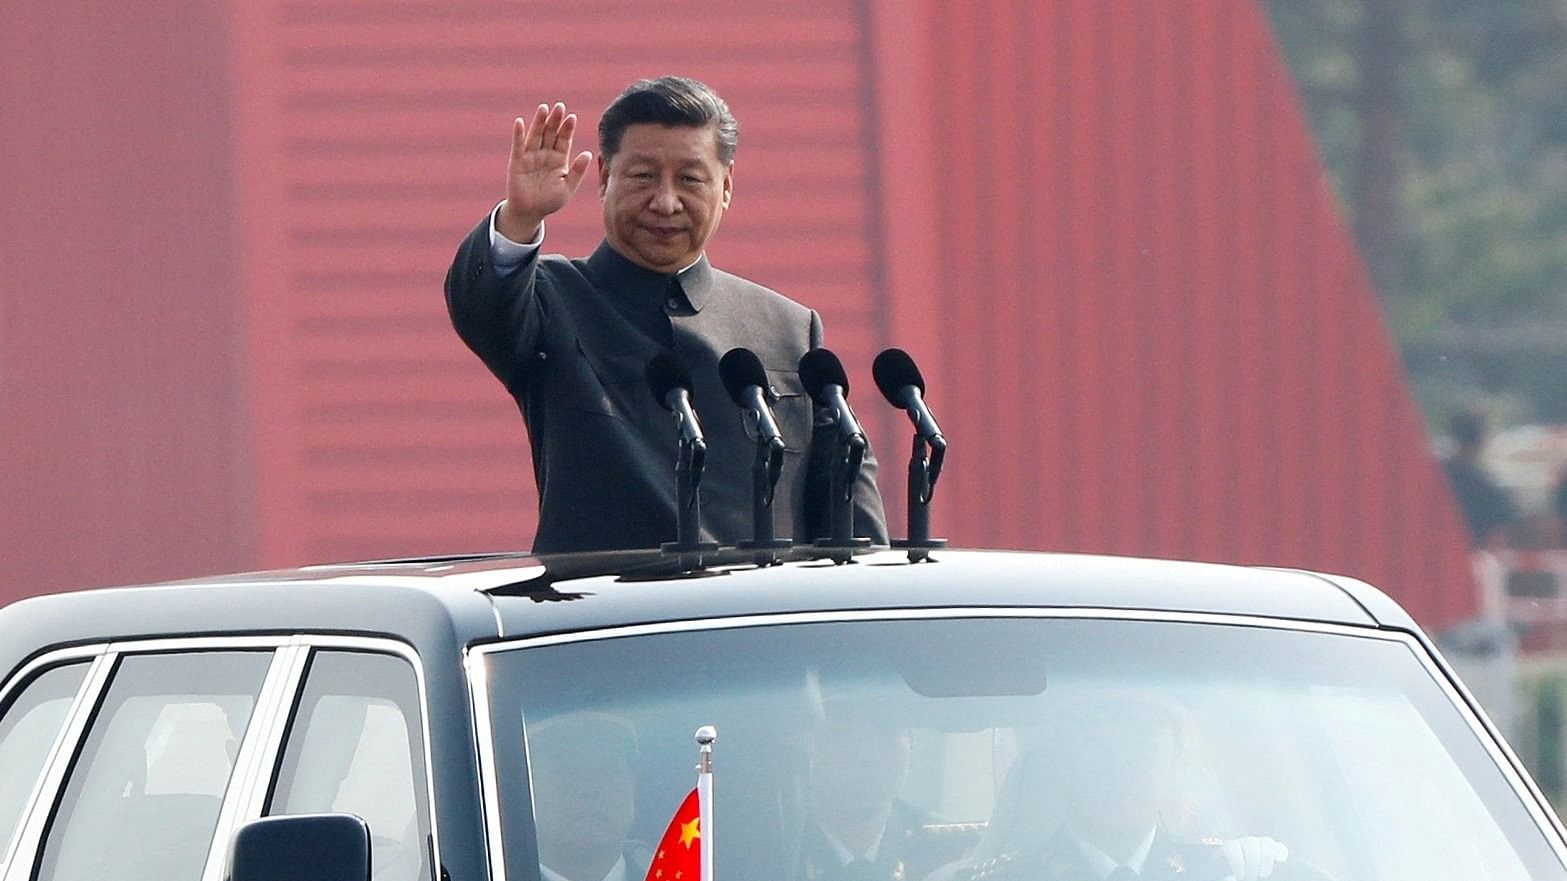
[[541, 175]]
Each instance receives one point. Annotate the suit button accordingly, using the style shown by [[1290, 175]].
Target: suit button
[[673, 304]]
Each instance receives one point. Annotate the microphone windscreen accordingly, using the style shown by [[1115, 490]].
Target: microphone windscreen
[[740, 369], [820, 368], [665, 373], [894, 371]]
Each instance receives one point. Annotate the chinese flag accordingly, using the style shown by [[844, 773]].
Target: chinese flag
[[679, 854]]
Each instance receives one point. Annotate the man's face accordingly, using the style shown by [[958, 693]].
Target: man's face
[[664, 193], [857, 768]]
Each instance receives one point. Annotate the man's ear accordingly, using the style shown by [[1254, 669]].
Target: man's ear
[[729, 184], [603, 174]]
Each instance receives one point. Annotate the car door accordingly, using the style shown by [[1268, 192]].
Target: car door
[[355, 744], [137, 761], [126, 755]]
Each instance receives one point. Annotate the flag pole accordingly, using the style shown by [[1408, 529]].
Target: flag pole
[[705, 736]]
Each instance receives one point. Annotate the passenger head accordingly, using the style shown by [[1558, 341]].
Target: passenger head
[[858, 765]]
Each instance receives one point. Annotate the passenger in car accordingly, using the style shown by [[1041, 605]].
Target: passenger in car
[[857, 828], [580, 766]]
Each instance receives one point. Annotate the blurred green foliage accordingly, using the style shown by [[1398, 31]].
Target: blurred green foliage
[[1459, 109]]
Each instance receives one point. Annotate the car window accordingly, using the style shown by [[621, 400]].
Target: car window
[[141, 799], [1003, 750], [27, 732], [356, 747]]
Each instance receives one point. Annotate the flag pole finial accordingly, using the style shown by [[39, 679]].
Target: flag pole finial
[[706, 736]]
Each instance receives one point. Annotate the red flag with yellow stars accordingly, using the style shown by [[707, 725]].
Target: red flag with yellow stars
[[679, 854]]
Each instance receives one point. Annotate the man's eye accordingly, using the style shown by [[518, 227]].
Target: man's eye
[[692, 179]]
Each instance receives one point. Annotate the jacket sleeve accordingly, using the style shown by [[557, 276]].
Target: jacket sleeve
[[870, 521], [501, 319]]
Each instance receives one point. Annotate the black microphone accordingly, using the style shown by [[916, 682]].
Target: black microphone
[[900, 381], [670, 382], [822, 375], [746, 380]]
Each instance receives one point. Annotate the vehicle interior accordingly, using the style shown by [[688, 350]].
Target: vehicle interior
[[990, 748]]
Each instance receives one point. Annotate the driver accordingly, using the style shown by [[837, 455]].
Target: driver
[[580, 765]]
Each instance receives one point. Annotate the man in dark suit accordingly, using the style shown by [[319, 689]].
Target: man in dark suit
[[570, 338], [857, 827]]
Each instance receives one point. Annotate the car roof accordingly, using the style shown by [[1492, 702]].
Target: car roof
[[470, 599]]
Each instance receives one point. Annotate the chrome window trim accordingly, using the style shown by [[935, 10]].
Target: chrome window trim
[[1449, 679], [1424, 654], [249, 759], [476, 667], [48, 782], [196, 643]]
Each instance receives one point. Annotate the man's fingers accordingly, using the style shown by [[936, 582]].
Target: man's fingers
[[519, 137], [579, 169], [552, 122], [568, 128], [536, 128]]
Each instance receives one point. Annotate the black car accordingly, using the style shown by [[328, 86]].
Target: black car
[[984, 715]]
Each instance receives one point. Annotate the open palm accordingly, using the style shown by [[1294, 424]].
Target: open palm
[[541, 175]]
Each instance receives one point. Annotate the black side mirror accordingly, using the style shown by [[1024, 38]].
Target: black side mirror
[[308, 847]]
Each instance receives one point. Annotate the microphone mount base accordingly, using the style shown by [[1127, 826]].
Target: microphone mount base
[[842, 550], [919, 548], [689, 552], [767, 551]]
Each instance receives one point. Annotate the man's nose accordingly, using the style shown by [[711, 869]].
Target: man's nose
[[666, 200]]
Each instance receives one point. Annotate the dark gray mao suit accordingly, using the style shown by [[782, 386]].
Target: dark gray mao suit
[[570, 340]]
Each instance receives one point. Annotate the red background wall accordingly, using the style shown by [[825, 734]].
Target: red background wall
[[1102, 229]]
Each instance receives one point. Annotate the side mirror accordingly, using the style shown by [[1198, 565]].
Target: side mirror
[[308, 847]]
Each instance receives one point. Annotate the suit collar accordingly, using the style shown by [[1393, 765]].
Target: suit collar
[[612, 270]]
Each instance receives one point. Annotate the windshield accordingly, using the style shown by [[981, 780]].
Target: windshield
[[1003, 749]]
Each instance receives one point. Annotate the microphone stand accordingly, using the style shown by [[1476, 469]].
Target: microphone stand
[[688, 506], [765, 470], [847, 459], [924, 468]]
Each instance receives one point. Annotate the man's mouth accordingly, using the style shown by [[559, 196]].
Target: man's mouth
[[664, 233]]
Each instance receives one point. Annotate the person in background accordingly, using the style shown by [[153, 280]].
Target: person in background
[[1487, 509]]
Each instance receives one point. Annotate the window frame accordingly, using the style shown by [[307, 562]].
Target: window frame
[[257, 760], [1425, 654], [265, 785]]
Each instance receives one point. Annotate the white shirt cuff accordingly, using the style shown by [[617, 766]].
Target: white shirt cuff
[[507, 255]]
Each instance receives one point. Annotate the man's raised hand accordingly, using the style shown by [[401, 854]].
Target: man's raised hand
[[541, 175]]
